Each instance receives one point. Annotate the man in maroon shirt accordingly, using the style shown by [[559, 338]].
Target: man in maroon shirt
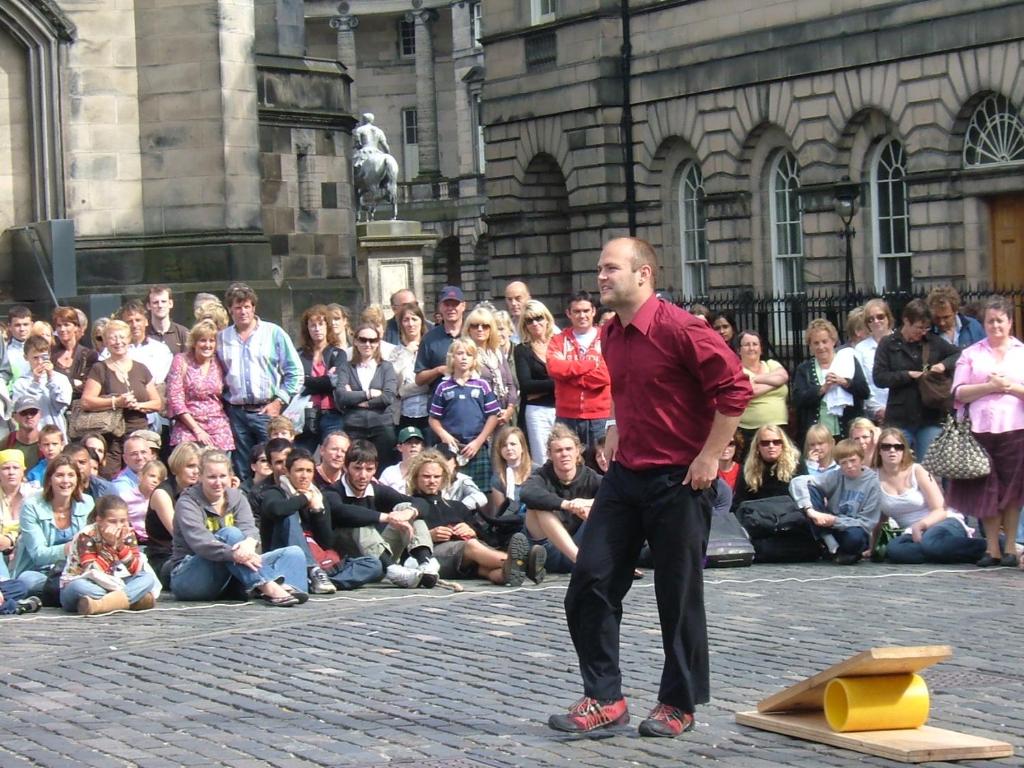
[[659, 488]]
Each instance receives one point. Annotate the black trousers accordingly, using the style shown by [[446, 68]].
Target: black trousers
[[632, 507]]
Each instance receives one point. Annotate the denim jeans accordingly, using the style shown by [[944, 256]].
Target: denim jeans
[[920, 439], [33, 581], [136, 587], [330, 421], [589, 431], [287, 532], [946, 542], [13, 591], [851, 541], [356, 571], [249, 429], [556, 561], [197, 579]]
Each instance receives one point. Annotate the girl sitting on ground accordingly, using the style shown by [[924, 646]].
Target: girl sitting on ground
[[818, 447], [106, 570]]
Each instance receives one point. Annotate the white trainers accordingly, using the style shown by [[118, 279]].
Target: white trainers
[[406, 578], [430, 571]]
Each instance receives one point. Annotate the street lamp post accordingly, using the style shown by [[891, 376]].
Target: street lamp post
[[845, 205]]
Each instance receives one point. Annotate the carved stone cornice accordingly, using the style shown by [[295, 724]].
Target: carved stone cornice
[[62, 26]]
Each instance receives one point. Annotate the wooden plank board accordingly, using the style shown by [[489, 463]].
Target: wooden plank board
[[916, 745], [809, 694]]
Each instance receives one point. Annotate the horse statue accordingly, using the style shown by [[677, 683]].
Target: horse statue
[[375, 170]]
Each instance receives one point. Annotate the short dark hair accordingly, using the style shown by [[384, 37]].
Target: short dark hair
[[107, 504], [916, 311], [276, 445], [131, 307], [582, 296], [36, 344], [19, 312], [237, 292], [299, 454], [361, 451], [257, 452]]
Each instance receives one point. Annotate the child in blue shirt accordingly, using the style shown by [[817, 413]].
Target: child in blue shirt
[[464, 411]]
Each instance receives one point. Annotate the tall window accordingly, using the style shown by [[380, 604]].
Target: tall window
[[995, 135], [787, 224], [406, 38], [891, 220], [543, 11], [475, 19], [481, 145], [692, 240], [410, 144]]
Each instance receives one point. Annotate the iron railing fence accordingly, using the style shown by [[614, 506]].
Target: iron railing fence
[[782, 320]]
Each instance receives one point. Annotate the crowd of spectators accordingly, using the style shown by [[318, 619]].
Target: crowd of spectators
[[227, 459]]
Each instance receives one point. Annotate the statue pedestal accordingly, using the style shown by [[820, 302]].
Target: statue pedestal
[[390, 257]]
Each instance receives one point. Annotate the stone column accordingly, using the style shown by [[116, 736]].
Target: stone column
[[426, 93], [345, 25]]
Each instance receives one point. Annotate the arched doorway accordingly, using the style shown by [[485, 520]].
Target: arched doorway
[[544, 248]]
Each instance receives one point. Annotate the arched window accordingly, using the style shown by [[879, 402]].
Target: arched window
[[995, 135], [787, 224], [891, 220], [693, 243]]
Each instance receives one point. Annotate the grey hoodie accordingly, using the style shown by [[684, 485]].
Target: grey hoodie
[[853, 502]]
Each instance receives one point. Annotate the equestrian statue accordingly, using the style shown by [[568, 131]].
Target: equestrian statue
[[374, 168]]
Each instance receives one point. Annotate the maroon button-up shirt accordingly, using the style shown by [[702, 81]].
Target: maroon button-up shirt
[[670, 373]]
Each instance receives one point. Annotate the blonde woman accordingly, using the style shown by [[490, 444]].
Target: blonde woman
[[120, 383], [464, 411], [772, 461], [830, 387], [366, 393], [482, 327], [195, 383], [864, 432], [536, 327], [880, 322]]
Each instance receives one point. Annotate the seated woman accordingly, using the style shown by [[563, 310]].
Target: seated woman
[[215, 543], [106, 570], [772, 462], [49, 522], [14, 493], [511, 466], [456, 543], [912, 499], [558, 498], [184, 465], [818, 447]]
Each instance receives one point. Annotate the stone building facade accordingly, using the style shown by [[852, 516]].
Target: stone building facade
[[747, 118], [191, 142], [418, 68]]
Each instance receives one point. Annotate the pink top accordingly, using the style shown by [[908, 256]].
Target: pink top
[[190, 391], [992, 413]]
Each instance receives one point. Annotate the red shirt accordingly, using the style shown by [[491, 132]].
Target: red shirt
[[670, 373]]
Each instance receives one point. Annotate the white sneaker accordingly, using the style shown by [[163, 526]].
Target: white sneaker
[[401, 576], [429, 571]]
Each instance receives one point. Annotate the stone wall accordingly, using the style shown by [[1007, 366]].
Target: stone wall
[[825, 80], [15, 165]]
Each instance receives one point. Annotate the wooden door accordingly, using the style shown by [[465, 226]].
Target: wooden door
[[1007, 242]]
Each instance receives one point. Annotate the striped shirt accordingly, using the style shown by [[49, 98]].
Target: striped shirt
[[463, 409], [263, 367]]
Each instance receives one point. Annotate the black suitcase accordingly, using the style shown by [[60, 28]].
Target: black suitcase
[[728, 544]]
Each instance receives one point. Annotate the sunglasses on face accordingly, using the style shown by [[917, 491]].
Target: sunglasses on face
[[892, 447], [874, 318], [536, 319], [366, 340], [766, 443], [479, 326], [30, 412]]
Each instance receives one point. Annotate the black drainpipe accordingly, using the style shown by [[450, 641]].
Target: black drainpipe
[[627, 119]]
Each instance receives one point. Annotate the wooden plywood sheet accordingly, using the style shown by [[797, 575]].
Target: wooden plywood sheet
[[809, 694], [916, 745]]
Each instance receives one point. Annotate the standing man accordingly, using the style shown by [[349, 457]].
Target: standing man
[[19, 325], [161, 327], [392, 333], [433, 352], [516, 296], [958, 329], [141, 347], [263, 373], [583, 388], [656, 489]]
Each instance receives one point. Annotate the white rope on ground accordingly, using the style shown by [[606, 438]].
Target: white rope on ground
[[434, 594]]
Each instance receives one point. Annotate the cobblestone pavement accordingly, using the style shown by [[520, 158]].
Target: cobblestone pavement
[[430, 678]]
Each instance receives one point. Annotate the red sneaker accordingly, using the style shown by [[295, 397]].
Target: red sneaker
[[588, 714], [666, 721]]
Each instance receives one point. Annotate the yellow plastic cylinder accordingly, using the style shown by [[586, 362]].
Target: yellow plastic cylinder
[[876, 703]]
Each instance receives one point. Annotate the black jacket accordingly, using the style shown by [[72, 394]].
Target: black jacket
[[321, 385], [379, 410], [894, 360], [805, 392], [544, 491]]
